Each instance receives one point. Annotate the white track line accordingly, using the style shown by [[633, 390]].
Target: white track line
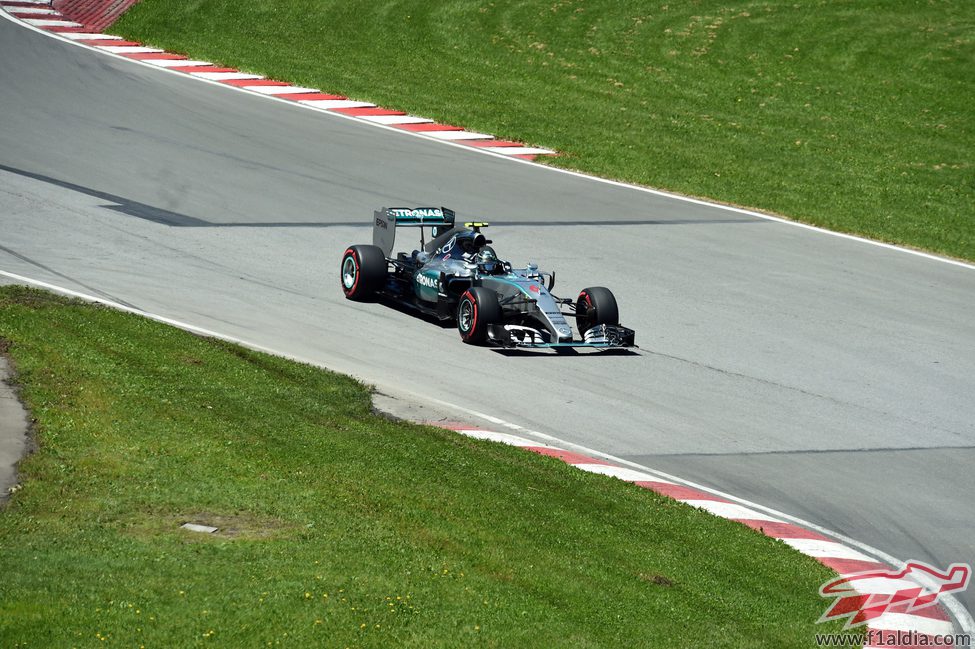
[[518, 150], [458, 135], [733, 511], [281, 90], [82, 36], [225, 76], [49, 23], [826, 549], [328, 104], [621, 472], [397, 119], [32, 10], [176, 63], [130, 49], [503, 438]]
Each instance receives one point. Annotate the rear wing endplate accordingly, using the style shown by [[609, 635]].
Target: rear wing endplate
[[388, 219]]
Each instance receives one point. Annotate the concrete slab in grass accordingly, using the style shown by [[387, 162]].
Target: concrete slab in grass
[[14, 423]]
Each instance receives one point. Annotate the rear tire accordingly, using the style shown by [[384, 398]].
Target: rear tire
[[363, 272], [596, 306], [477, 309]]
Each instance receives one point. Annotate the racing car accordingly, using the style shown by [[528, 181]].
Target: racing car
[[457, 275]]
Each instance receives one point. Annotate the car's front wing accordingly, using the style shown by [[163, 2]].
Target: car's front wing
[[601, 336]]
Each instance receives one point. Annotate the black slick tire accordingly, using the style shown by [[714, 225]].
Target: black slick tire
[[477, 309], [595, 306], [363, 272]]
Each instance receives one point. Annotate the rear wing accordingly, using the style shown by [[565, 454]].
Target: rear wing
[[387, 219]]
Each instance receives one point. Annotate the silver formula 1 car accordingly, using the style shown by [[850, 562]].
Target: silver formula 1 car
[[457, 276]]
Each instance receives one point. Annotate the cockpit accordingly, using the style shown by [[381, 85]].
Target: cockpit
[[463, 244]]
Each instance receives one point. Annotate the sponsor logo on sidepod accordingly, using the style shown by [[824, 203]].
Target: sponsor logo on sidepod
[[428, 281]]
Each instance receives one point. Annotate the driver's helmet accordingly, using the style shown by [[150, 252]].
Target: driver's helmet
[[487, 261], [471, 244]]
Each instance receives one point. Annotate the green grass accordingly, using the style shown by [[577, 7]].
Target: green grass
[[856, 115], [338, 527]]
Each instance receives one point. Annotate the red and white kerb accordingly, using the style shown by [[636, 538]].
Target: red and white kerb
[[84, 20]]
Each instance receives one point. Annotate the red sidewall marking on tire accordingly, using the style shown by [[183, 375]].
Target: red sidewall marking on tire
[[351, 254], [473, 315], [470, 300]]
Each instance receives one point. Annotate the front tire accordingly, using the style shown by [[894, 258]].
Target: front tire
[[596, 306], [477, 309], [363, 271]]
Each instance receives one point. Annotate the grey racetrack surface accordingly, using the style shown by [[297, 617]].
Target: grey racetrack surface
[[827, 378]]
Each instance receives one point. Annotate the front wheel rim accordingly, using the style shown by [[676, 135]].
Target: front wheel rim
[[466, 315]]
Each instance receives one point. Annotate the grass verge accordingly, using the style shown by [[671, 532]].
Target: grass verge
[[338, 528], [854, 115]]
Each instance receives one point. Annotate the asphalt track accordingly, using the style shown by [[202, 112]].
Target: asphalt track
[[822, 376]]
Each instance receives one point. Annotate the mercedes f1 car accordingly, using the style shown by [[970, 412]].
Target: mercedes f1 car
[[457, 276]]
